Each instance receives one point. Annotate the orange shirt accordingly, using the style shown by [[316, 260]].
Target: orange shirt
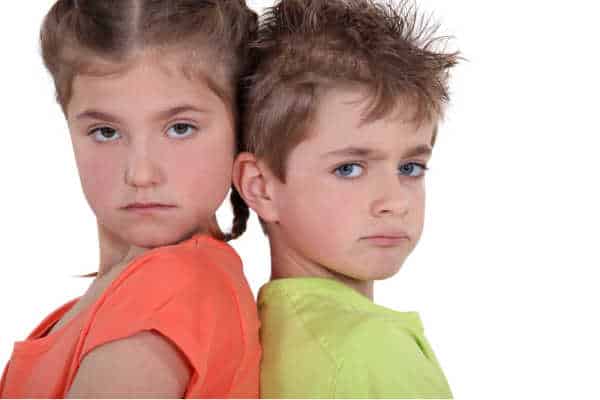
[[193, 293]]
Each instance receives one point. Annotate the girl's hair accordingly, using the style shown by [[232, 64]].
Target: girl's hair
[[95, 37]]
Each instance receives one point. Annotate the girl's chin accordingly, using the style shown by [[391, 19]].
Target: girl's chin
[[156, 237]]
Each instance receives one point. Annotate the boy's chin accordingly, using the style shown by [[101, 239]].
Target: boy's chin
[[375, 272]]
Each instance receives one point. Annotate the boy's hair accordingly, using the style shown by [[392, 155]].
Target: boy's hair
[[80, 36], [305, 47]]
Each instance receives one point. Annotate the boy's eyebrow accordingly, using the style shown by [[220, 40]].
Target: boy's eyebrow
[[421, 150], [100, 115], [355, 152]]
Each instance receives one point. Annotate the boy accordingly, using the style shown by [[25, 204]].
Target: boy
[[340, 120]]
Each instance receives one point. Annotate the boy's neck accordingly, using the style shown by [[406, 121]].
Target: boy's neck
[[285, 263]]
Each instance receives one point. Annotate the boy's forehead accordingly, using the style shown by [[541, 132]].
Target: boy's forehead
[[342, 117], [362, 101]]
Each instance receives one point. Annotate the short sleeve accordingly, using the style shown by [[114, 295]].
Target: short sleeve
[[386, 361], [186, 297]]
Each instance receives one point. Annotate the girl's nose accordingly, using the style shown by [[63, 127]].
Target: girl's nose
[[142, 170]]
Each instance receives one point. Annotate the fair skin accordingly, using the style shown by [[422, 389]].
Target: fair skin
[[352, 204], [154, 152]]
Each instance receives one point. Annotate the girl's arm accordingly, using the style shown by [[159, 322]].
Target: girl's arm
[[145, 365]]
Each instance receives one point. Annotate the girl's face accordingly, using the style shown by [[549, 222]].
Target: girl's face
[[154, 151]]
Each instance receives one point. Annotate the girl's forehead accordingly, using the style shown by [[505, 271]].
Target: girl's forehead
[[147, 75], [174, 61]]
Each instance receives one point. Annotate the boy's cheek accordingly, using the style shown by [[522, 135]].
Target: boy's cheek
[[315, 206], [323, 223]]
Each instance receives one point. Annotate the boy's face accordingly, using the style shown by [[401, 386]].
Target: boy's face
[[353, 202], [154, 151]]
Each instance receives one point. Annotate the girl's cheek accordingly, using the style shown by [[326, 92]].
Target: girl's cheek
[[98, 179], [214, 162]]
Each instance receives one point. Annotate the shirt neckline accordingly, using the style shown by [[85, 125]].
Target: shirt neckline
[[351, 297], [35, 340]]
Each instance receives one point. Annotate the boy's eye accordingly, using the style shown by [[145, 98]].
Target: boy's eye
[[180, 130], [351, 170], [105, 134], [412, 169]]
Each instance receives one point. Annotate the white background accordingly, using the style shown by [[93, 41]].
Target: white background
[[505, 276]]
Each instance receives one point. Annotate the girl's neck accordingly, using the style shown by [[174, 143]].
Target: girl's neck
[[113, 251]]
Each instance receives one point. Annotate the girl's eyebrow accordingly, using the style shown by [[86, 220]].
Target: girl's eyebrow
[[162, 115], [171, 112], [100, 115]]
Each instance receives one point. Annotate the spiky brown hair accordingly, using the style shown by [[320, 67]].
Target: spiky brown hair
[[307, 46]]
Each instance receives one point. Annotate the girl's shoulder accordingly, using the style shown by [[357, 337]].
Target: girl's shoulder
[[183, 292], [196, 259], [198, 271], [193, 294]]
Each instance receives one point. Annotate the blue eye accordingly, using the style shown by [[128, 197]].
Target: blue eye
[[105, 134], [351, 170], [412, 169], [180, 130]]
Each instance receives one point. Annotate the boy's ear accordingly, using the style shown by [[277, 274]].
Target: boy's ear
[[254, 182]]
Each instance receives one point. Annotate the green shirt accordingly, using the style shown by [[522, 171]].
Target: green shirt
[[321, 338]]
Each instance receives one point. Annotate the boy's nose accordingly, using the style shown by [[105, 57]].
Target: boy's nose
[[142, 170], [392, 200]]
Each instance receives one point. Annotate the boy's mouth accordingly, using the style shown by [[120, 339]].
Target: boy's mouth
[[386, 239]]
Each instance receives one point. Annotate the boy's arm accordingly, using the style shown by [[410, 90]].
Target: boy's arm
[[384, 361], [145, 365]]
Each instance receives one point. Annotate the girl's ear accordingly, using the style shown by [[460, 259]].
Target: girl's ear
[[254, 182]]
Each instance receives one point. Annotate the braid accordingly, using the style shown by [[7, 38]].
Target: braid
[[241, 213]]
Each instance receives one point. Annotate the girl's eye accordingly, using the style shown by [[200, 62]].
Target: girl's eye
[[412, 169], [105, 134], [351, 170], [180, 130]]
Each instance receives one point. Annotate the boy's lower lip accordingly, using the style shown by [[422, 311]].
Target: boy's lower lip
[[386, 241]]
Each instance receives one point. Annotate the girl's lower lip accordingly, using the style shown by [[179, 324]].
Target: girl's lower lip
[[148, 209], [386, 241]]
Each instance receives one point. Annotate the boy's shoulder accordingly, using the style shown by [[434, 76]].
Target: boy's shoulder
[[328, 309], [358, 347]]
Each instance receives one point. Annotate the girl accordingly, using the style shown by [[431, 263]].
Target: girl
[[148, 89]]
